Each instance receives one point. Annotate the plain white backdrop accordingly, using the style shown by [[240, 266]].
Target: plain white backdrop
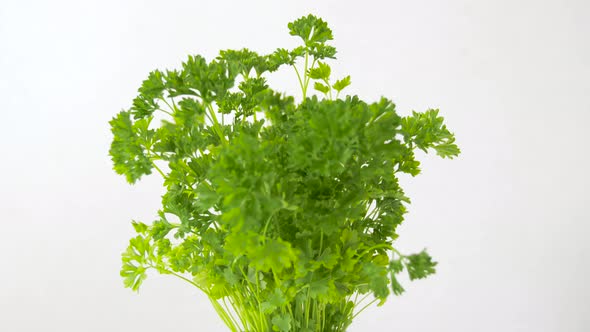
[[508, 221]]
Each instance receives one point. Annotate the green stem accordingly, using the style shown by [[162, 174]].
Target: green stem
[[159, 170], [216, 125], [307, 70], [298, 78], [166, 271], [363, 308], [153, 157], [229, 313], [165, 112], [223, 315], [379, 246], [373, 212], [247, 286], [329, 87], [399, 253], [173, 108], [305, 76], [356, 302]]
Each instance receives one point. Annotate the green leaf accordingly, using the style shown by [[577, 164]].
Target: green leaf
[[320, 288], [244, 61], [396, 266], [278, 58], [377, 277], [281, 323], [321, 72], [212, 80], [396, 287], [321, 87], [322, 51], [381, 259], [341, 84], [160, 229], [143, 107], [328, 259], [420, 265], [190, 114], [135, 262], [127, 149], [133, 276], [206, 197], [139, 227], [427, 130], [275, 301], [231, 278], [153, 86], [311, 29], [274, 254], [448, 149]]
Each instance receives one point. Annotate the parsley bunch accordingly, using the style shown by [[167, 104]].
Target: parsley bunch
[[283, 213]]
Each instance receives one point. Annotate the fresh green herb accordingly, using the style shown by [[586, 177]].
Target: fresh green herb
[[283, 213]]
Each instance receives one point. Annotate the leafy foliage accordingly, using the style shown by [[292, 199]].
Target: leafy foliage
[[285, 211]]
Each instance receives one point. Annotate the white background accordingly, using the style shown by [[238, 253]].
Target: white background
[[508, 221]]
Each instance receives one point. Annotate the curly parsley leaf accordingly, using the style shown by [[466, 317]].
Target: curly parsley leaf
[[420, 265], [311, 29], [128, 151], [427, 130]]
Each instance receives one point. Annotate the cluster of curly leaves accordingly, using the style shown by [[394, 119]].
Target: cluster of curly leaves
[[283, 213]]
